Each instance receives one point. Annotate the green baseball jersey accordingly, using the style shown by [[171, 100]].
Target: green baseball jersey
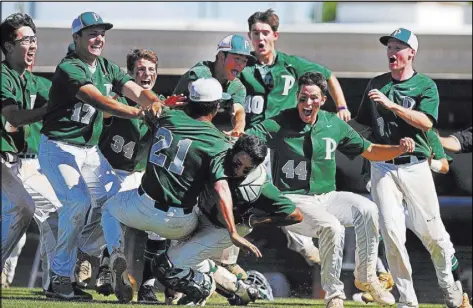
[[267, 96], [69, 119], [251, 194], [39, 95], [436, 146], [304, 158], [417, 93], [14, 91], [235, 88], [125, 142], [26, 92], [185, 154]]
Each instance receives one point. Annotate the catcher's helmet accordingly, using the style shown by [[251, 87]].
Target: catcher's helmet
[[264, 288]]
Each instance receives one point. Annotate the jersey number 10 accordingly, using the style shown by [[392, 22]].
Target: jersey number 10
[[164, 137]]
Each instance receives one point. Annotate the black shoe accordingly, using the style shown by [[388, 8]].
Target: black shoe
[[146, 294], [61, 287], [120, 282], [103, 281], [81, 294]]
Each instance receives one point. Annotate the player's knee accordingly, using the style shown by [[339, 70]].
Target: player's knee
[[334, 230], [27, 208]]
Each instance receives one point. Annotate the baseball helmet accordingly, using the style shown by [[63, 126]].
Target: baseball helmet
[[264, 288]]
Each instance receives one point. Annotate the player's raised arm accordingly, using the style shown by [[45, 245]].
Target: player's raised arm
[[91, 95], [136, 93]]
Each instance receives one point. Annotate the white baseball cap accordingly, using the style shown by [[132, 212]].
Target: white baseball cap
[[207, 90]]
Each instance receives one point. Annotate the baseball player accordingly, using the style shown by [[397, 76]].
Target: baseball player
[[125, 144], [69, 155], [271, 85], [24, 97], [256, 201], [304, 140], [233, 54], [439, 162], [459, 142], [187, 151], [404, 103]]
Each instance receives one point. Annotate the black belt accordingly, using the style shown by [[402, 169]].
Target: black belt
[[28, 156], [404, 160], [163, 207], [9, 157]]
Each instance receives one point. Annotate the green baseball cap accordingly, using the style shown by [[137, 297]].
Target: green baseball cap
[[89, 19], [403, 35], [236, 44]]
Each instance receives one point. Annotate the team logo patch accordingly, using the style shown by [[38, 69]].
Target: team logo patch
[[396, 32], [408, 102]]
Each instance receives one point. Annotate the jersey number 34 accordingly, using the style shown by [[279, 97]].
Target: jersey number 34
[[164, 137]]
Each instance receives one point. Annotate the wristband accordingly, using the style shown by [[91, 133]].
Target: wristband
[[341, 108]]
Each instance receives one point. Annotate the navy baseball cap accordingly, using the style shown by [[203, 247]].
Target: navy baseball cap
[[89, 19], [236, 44], [403, 35]]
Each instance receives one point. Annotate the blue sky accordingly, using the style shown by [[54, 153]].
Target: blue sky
[[237, 12]]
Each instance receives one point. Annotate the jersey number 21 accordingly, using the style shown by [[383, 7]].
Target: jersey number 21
[[164, 137]]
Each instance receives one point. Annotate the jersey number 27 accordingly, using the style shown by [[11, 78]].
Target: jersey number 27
[[164, 137]]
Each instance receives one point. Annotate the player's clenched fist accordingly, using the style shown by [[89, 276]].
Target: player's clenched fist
[[407, 144], [151, 113]]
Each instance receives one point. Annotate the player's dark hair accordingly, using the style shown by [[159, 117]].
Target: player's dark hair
[[136, 54], [11, 24], [252, 145], [268, 17], [199, 109], [314, 78]]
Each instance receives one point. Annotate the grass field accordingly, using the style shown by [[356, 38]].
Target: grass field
[[31, 298]]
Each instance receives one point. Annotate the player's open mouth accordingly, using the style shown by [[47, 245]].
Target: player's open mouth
[[260, 45], [145, 82], [392, 59], [96, 47], [234, 72], [307, 112]]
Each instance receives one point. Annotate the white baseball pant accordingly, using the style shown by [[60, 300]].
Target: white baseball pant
[[138, 211], [207, 242], [81, 177], [12, 261], [91, 239], [325, 217], [17, 209], [413, 183]]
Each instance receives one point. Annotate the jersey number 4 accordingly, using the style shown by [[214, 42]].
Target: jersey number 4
[[164, 137]]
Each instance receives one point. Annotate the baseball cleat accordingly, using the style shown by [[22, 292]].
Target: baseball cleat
[[61, 287], [83, 269], [103, 282], [335, 302], [120, 281], [386, 281], [377, 292], [146, 294], [465, 301]]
